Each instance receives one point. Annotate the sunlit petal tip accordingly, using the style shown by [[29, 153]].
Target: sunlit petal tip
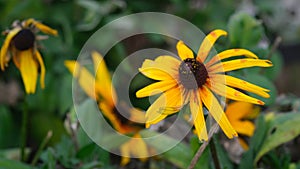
[[183, 51], [208, 43], [217, 33], [147, 125], [260, 102]]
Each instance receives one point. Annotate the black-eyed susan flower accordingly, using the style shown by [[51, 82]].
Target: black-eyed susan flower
[[194, 80], [21, 45], [104, 94], [240, 115]]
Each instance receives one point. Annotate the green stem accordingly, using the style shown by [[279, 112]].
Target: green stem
[[214, 153], [41, 147], [24, 129]]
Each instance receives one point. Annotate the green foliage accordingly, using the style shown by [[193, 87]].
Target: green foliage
[[283, 128], [244, 31], [52, 108]]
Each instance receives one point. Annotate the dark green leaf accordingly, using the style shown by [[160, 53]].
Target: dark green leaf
[[6, 164]]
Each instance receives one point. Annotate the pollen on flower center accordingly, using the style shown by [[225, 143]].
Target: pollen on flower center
[[192, 73], [24, 39]]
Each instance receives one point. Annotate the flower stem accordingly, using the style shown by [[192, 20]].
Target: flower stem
[[24, 129], [214, 153], [199, 152], [41, 147]]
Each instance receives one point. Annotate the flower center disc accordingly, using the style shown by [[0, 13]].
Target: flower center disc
[[192, 73], [24, 39]]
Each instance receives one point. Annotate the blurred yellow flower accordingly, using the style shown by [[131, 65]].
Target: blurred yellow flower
[[102, 90], [239, 115], [20, 44], [192, 80]]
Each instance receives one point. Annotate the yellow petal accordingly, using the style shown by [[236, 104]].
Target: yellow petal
[[42, 66], [183, 51], [214, 107], [207, 44], [239, 64], [84, 77], [168, 103], [231, 53], [243, 144], [238, 110], [137, 115], [138, 147], [40, 26], [29, 70], [156, 74], [5, 46], [158, 66], [107, 111], [233, 94], [125, 152], [156, 88], [198, 117], [104, 85], [244, 127], [244, 85]]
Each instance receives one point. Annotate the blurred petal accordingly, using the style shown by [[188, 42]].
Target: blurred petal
[[40, 26], [214, 107], [107, 111], [104, 85], [183, 51], [84, 77], [198, 117], [42, 66], [125, 152], [29, 70], [5, 46], [244, 127], [231, 53], [137, 115], [138, 147], [243, 144], [239, 64], [207, 44], [156, 88], [238, 110]]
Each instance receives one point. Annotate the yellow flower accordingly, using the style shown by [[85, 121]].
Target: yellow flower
[[100, 88], [239, 115], [20, 44], [194, 80]]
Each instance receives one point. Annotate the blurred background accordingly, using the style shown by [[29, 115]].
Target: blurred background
[[271, 29]]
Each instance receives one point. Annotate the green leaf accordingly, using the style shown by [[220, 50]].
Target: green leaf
[[274, 71], [8, 136], [180, 155], [6, 163], [244, 30], [222, 156], [283, 128], [247, 161]]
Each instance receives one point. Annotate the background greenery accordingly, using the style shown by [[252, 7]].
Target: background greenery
[[253, 25]]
